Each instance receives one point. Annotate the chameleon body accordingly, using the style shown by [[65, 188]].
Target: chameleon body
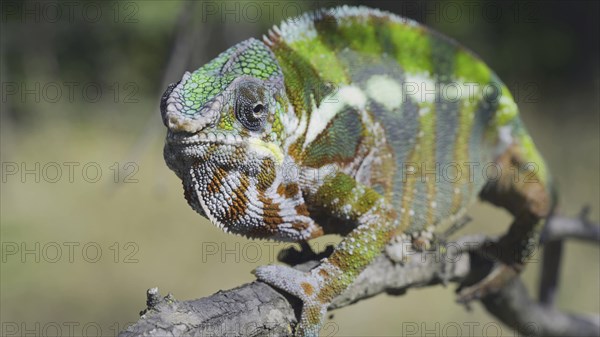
[[358, 122]]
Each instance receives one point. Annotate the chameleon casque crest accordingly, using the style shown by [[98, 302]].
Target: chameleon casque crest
[[359, 104]]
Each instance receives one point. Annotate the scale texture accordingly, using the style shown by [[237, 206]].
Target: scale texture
[[357, 122]]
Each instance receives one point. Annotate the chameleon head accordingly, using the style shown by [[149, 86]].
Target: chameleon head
[[224, 138], [222, 107]]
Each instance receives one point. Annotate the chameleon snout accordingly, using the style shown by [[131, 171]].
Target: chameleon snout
[[180, 116]]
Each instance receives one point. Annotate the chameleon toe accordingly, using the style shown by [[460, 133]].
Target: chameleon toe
[[302, 285], [492, 283]]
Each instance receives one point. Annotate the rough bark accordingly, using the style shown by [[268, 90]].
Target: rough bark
[[256, 309]]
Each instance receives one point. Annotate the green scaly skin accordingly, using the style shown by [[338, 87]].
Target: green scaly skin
[[333, 121]]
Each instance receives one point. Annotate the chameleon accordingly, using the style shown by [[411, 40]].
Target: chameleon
[[358, 122]]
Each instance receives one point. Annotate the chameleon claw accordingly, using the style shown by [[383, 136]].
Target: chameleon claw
[[491, 284], [285, 278], [303, 286]]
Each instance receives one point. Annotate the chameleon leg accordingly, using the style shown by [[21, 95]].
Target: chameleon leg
[[526, 192], [347, 199]]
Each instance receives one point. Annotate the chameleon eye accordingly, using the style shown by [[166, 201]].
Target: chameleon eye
[[250, 107], [258, 108]]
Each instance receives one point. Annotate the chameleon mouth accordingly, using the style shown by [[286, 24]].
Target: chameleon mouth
[[212, 138]]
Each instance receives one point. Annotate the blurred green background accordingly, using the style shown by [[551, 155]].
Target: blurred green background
[[91, 216]]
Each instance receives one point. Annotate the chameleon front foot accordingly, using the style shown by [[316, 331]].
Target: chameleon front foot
[[303, 285]]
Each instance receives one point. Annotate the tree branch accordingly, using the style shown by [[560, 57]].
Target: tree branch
[[256, 309], [555, 231], [561, 227]]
